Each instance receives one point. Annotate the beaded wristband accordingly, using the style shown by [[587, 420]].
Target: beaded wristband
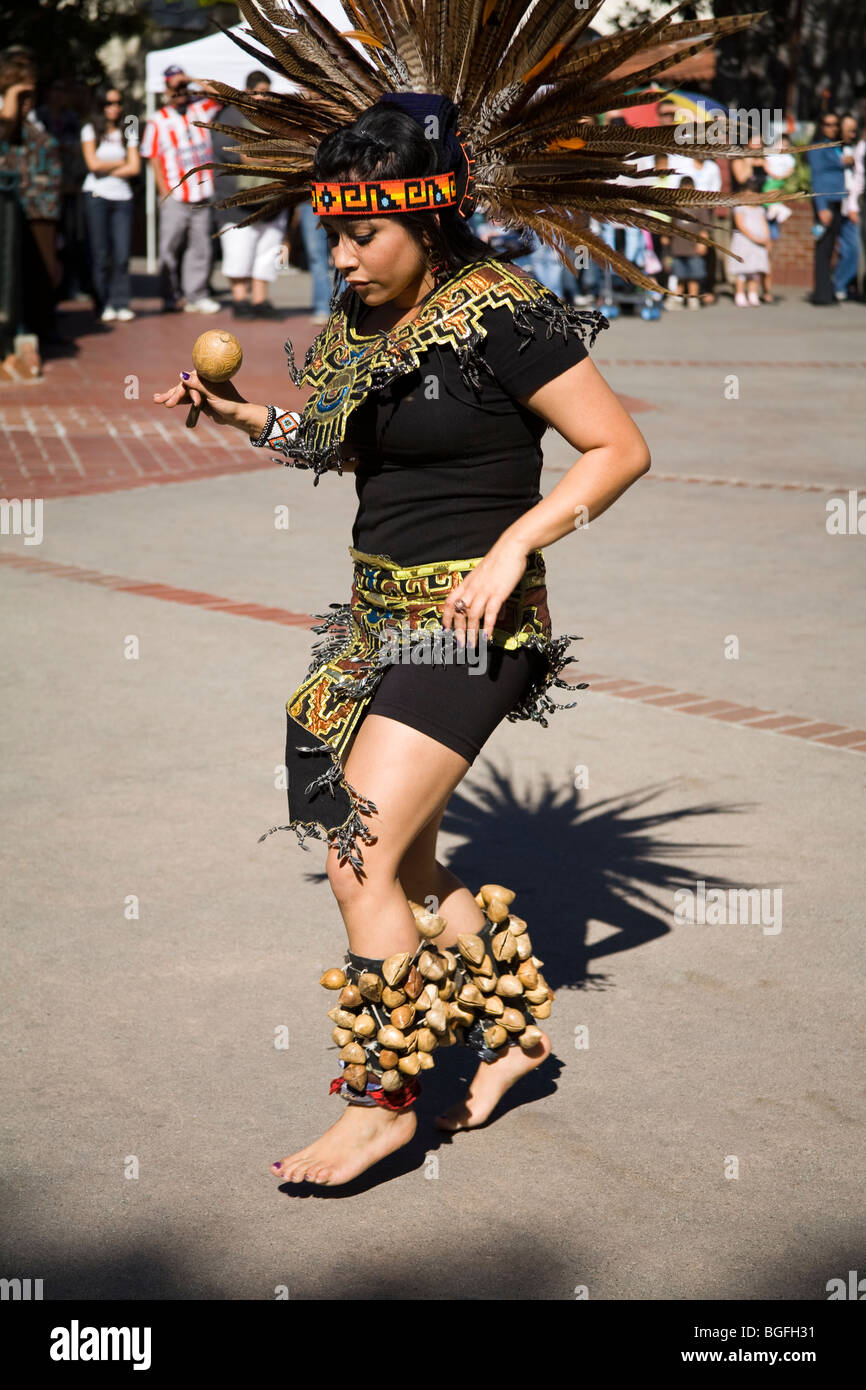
[[268, 426]]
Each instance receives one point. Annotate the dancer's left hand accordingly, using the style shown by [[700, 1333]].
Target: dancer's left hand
[[484, 590]]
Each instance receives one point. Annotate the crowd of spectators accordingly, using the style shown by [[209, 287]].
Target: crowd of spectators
[[692, 270], [71, 187]]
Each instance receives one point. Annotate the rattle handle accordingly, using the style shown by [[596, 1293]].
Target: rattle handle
[[195, 410]]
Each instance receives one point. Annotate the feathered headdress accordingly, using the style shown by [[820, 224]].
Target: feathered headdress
[[525, 90]]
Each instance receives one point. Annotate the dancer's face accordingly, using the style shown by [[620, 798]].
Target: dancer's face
[[380, 258]]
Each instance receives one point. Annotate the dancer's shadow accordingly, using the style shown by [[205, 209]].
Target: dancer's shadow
[[570, 862]]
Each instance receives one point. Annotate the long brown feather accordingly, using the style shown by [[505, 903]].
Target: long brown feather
[[500, 37], [644, 36], [684, 29], [601, 253], [345, 61]]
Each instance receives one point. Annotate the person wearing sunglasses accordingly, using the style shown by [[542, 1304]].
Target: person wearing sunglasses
[[828, 195], [110, 146], [175, 145]]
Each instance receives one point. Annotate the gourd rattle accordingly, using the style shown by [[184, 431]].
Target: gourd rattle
[[216, 356]]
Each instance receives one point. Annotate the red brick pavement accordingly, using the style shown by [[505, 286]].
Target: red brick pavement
[[90, 425]]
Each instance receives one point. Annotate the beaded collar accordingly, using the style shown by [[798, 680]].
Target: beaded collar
[[344, 368]]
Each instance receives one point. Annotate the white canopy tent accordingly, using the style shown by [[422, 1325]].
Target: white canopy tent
[[216, 58]]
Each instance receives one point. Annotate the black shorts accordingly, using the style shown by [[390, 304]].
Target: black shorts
[[456, 703]]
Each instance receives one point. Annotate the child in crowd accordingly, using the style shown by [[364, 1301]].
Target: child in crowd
[[689, 260], [751, 241]]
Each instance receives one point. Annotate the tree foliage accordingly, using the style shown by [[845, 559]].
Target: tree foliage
[[824, 40], [66, 35]]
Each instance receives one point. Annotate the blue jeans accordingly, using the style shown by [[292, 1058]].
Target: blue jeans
[[109, 236], [316, 247], [849, 255], [635, 247]]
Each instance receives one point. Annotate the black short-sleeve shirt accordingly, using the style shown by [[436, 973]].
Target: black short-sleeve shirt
[[443, 469]]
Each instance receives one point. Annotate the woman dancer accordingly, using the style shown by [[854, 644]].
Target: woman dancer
[[434, 380]]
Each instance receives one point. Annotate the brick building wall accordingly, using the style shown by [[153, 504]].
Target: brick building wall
[[793, 254]]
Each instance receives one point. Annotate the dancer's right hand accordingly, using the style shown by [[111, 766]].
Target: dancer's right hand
[[221, 402]]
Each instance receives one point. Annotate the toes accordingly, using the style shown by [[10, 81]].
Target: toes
[[286, 1169]]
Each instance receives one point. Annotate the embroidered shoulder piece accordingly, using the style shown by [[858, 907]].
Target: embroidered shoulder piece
[[343, 368]]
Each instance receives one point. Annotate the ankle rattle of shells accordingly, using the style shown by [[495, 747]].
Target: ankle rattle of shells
[[501, 985], [389, 1018], [392, 1014]]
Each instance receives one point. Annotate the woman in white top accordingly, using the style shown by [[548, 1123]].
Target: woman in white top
[[111, 154]]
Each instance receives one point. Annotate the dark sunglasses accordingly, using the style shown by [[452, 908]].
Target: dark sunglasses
[[113, 102]]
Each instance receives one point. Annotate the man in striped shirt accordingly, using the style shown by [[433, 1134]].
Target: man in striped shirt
[[174, 145]]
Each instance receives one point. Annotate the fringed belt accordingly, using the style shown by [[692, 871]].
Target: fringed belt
[[350, 660]]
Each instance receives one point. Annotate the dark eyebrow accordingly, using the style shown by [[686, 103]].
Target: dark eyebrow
[[350, 227]]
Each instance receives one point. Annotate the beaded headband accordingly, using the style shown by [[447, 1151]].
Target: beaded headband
[[374, 196]]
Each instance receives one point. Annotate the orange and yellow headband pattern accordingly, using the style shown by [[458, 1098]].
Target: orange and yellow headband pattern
[[373, 197]]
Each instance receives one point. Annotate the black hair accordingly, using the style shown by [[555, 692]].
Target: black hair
[[387, 143], [254, 78], [98, 120]]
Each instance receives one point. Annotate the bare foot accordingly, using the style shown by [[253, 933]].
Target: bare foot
[[489, 1085], [360, 1137]]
